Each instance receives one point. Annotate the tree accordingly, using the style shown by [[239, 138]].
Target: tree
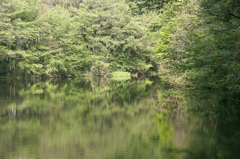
[[62, 38], [114, 39], [208, 56], [17, 32], [141, 6]]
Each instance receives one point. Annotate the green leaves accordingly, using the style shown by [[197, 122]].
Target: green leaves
[[68, 37], [204, 46]]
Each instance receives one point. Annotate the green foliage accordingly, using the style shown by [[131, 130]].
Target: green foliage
[[65, 38], [142, 6], [202, 51]]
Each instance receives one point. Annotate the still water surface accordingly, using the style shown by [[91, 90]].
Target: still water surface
[[105, 119]]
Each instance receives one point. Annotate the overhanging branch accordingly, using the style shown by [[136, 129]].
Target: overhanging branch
[[234, 15], [218, 31]]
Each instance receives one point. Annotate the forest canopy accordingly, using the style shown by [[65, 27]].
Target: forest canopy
[[194, 43], [60, 38]]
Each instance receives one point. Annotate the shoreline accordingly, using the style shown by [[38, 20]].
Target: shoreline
[[12, 77]]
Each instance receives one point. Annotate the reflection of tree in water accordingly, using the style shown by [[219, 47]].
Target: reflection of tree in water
[[209, 154], [115, 119], [57, 113], [217, 128]]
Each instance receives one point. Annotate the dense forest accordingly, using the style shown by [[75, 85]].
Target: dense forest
[[61, 94], [192, 43]]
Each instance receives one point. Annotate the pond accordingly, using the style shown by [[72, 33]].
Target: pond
[[110, 119]]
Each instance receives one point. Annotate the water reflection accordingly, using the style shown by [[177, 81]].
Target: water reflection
[[102, 118]]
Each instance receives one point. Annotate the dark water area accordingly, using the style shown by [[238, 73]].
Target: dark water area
[[114, 119]]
